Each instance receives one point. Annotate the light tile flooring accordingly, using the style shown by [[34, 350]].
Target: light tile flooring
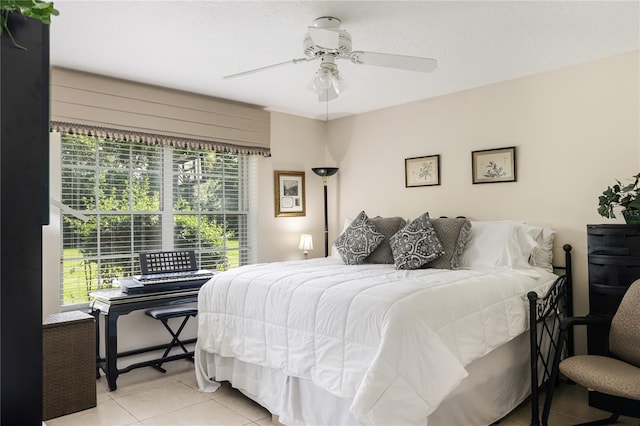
[[148, 397]]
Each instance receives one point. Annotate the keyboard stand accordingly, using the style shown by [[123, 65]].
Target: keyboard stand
[[111, 304]]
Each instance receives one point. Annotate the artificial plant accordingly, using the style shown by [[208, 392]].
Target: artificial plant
[[37, 9]]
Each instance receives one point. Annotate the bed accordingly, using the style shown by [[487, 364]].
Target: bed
[[342, 340]]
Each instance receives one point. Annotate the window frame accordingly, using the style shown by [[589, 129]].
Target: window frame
[[246, 213]]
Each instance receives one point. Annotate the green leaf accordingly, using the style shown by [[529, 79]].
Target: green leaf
[[37, 9], [635, 204], [625, 196], [604, 211]]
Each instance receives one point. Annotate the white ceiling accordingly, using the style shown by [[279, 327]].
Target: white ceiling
[[190, 45]]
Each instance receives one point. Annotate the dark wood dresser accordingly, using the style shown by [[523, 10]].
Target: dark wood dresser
[[614, 263]]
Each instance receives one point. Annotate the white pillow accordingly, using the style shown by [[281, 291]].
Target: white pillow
[[499, 245], [543, 253]]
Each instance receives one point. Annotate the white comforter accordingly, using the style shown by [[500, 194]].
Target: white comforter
[[396, 342]]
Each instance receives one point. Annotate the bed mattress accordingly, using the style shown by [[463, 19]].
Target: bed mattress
[[392, 343]]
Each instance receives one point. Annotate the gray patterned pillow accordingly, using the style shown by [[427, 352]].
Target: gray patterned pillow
[[358, 241], [416, 244], [388, 226], [453, 234]]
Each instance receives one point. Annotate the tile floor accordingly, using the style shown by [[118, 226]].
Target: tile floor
[[148, 397]]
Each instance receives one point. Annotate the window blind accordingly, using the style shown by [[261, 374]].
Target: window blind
[[140, 197]]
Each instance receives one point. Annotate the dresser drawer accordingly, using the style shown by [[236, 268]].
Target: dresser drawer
[[605, 299], [615, 240], [613, 270]]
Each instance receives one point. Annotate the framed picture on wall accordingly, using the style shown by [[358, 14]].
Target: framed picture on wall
[[494, 165], [422, 171], [289, 193]]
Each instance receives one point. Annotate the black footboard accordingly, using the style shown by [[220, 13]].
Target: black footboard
[[545, 314]]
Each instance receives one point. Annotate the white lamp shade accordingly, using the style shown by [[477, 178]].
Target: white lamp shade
[[306, 242]]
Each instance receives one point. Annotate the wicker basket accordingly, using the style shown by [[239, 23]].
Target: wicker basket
[[68, 363]]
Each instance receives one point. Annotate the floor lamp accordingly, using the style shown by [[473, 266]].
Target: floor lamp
[[325, 172]]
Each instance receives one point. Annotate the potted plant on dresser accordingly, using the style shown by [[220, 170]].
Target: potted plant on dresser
[[37, 9], [624, 196]]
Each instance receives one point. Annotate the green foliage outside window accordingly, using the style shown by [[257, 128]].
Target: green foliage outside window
[[119, 187]]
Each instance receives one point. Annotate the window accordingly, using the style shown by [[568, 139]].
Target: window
[[130, 197]]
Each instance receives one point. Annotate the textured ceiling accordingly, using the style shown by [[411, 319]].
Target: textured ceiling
[[190, 45]]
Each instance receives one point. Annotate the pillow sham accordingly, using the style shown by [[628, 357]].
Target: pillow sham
[[415, 244], [453, 234], [498, 245], [388, 226], [543, 252], [359, 240]]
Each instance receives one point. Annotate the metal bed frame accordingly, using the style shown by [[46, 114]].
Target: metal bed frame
[[545, 314]]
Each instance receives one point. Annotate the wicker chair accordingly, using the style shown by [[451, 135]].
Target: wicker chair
[[617, 374]]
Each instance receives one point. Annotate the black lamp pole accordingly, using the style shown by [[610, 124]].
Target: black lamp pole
[[325, 172]]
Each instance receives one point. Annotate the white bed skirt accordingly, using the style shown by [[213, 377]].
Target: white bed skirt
[[497, 383]]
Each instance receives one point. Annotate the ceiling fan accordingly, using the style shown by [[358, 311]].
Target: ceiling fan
[[326, 41]]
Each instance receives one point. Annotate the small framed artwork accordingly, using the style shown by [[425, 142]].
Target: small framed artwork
[[422, 171], [289, 195], [494, 165]]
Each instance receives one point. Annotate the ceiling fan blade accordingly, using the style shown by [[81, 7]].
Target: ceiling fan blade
[[411, 63], [243, 73], [327, 38]]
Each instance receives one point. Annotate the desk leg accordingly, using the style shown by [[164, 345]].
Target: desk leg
[[111, 349], [96, 315]]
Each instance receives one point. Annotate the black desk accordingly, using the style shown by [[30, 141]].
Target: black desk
[[112, 304]]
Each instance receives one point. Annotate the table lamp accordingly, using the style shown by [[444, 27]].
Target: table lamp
[[306, 244]]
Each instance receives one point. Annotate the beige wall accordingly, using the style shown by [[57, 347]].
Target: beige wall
[[297, 144], [575, 129]]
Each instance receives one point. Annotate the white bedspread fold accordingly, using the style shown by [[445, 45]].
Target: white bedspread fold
[[396, 342]]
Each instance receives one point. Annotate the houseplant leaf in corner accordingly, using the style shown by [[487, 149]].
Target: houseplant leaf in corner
[[37, 9], [626, 197]]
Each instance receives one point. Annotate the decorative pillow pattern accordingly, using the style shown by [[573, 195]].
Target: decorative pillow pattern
[[358, 241], [453, 234], [334, 250], [416, 244], [388, 226]]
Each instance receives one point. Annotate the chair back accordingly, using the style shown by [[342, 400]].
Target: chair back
[[624, 337]]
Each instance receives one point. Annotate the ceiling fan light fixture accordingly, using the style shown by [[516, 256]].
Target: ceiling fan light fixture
[[327, 95], [322, 80], [327, 85], [339, 83]]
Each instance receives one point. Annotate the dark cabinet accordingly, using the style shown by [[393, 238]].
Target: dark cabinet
[[24, 143], [614, 263]]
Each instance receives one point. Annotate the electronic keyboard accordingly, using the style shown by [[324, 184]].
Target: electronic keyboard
[[166, 271], [161, 278]]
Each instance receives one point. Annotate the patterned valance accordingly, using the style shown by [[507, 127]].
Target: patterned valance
[[155, 139], [85, 103]]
